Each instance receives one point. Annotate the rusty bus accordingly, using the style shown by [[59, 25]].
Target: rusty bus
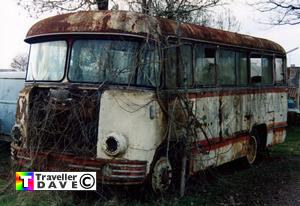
[[141, 99]]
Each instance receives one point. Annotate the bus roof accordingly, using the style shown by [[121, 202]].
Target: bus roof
[[140, 24]]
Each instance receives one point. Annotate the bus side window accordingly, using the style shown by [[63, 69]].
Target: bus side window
[[205, 69], [171, 67], [241, 65], [226, 67], [279, 70], [185, 69], [256, 69], [267, 70]]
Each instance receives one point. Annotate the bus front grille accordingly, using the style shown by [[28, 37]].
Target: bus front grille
[[63, 121]]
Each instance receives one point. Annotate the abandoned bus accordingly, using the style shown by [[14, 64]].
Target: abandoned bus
[[141, 99]]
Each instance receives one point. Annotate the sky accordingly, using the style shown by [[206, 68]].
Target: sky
[[15, 22]]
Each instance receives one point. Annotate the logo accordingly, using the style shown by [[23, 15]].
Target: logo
[[56, 181], [24, 181]]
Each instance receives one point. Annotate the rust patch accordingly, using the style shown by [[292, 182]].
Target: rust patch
[[278, 136], [136, 23]]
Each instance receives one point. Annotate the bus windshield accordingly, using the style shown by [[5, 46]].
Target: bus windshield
[[47, 61], [114, 61]]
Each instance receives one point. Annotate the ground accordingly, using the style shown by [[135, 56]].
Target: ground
[[273, 181]]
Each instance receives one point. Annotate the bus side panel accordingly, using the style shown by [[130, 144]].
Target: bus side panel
[[207, 113], [276, 131]]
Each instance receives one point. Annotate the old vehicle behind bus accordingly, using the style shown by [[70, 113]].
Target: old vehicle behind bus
[[140, 98], [11, 83]]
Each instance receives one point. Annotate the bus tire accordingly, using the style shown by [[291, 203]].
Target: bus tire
[[252, 150], [161, 175]]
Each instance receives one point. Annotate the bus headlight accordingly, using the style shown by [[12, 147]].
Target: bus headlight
[[16, 133], [114, 144]]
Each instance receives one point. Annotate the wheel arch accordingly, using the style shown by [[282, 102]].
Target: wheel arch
[[262, 131]]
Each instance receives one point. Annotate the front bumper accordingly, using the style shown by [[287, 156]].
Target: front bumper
[[109, 171]]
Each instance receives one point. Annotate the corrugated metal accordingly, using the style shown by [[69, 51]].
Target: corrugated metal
[[136, 23], [10, 85]]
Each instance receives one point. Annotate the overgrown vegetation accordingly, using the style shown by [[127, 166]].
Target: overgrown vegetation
[[231, 184]]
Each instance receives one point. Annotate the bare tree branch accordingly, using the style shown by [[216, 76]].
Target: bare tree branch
[[20, 62], [281, 12]]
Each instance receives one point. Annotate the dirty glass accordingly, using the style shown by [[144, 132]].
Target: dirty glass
[[267, 70], [279, 70], [256, 69], [185, 75], [47, 61], [204, 66], [96, 61], [149, 68], [226, 67], [242, 67]]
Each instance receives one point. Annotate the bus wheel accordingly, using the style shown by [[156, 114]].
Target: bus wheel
[[252, 150], [161, 177]]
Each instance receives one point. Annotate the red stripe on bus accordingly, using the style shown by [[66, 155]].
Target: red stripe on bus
[[277, 125], [216, 142], [211, 144]]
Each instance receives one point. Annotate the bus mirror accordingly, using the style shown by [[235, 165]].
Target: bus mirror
[[256, 79]]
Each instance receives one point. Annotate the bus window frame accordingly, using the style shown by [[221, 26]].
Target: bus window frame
[[140, 40], [262, 55], [235, 67], [45, 40], [206, 46]]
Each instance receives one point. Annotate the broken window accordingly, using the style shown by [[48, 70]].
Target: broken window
[[47, 61], [256, 70], [226, 67], [261, 69], [205, 61]]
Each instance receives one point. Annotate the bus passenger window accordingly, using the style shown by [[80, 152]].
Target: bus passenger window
[[267, 70], [279, 70], [205, 66], [256, 70], [226, 67], [185, 66], [171, 67], [149, 73], [242, 67]]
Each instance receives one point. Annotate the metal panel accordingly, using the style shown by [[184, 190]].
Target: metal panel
[[10, 85]]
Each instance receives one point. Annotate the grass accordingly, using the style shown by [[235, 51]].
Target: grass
[[291, 146], [230, 184]]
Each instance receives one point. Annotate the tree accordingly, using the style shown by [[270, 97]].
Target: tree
[[38, 7], [281, 11], [225, 20], [192, 11], [181, 10], [20, 62]]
